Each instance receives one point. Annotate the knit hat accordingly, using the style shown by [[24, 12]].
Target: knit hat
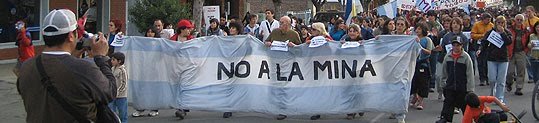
[[60, 21]]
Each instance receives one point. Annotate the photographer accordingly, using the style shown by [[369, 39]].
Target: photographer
[[57, 87], [25, 47]]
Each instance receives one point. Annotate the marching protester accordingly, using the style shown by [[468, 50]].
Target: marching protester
[[318, 29], [466, 23], [497, 58], [479, 30], [120, 73], [158, 24], [517, 51], [25, 47], [402, 27], [214, 28], [531, 17], [339, 30], [388, 27], [534, 52], [140, 112], [57, 86], [115, 27], [458, 75], [283, 33], [304, 33], [366, 29], [183, 33], [267, 26], [353, 34], [234, 29], [421, 79], [252, 28]]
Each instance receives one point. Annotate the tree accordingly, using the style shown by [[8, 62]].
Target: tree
[[197, 14], [318, 4], [277, 5], [144, 12]]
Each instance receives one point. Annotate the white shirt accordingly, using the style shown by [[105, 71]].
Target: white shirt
[[56, 52], [166, 34], [264, 28]]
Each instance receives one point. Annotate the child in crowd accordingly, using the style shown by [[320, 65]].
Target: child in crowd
[[120, 73]]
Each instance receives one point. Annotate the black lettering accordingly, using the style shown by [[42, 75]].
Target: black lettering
[[247, 71], [279, 78], [367, 67], [295, 71], [317, 66], [264, 69], [221, 68], [336, 68], [351, 72]]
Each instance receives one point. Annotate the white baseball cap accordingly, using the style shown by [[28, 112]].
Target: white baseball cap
[[61, 20]]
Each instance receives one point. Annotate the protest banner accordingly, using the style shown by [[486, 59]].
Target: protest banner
[[496, 39], [241, 74]]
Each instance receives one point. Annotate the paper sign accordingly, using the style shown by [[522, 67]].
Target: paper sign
[[448, 47], [535, 44], [495, 38], [318, 41], [468, 34], [279, 45], [118, 40], [350, 44]]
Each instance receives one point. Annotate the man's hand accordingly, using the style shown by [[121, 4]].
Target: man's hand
[[100, 47]]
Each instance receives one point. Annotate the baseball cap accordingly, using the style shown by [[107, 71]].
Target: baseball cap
[[61, 21], [456, 40], [184, 23]]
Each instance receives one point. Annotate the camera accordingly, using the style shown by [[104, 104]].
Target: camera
[[86, 41], [19, 25]]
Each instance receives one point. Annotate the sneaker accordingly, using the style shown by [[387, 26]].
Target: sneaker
[[361, 114], [440, 96], [419, 107], [180, 114], [518, 92], [401, 121], [392, 116], [509, 88], [441, 121], [350, 116], [137, 114], [431, 90], [281, 117], [456, 111], [315, 117], [153, 113], [227, 114]]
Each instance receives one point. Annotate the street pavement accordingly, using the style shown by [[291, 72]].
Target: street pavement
[[12, 109]]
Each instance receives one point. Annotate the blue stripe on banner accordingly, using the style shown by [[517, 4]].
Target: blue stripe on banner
[[236, 43], [386, 97]]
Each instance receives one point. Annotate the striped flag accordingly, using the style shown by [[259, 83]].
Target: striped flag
[[389, 9], [350, 11]]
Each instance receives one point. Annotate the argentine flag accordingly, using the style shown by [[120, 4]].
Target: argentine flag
[[389, 9], [350, 11]]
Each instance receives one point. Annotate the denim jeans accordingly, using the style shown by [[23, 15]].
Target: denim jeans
[[119, 105], [535, 70], [497, 73], [433, 57], [529, 68]]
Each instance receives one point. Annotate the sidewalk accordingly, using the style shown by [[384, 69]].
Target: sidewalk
[[11, 105]]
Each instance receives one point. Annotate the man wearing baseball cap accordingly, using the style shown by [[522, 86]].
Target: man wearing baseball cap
[[58, 87], [458, 74]]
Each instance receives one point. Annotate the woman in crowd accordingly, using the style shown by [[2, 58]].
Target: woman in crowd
[[533, 44], [318, 29], [421, 79], [388, 27], [339, 30], [402, 27], [115, 27], [183, 33], [304, 33], [140, 112], [214, 28], [497, 58], [353, 34]]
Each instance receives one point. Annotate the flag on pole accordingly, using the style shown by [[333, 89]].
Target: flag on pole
[[350, 11], [389, 9]]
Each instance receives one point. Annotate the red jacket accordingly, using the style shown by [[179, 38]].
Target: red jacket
[[523, 42], [26, 49], [175, 37]]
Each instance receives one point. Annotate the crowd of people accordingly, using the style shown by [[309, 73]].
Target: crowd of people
[[455, 45]]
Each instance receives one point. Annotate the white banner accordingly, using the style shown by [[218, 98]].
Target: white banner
[[496, 39], [406, 4], [241, 74]]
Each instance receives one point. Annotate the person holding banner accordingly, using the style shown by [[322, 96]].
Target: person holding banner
[[478, 32], [184, 28], [497, 58], [534, 53], [284, 33], [402, 27], [517, 55], [318, 29]]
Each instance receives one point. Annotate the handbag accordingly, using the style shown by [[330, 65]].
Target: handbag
[[104, 113]]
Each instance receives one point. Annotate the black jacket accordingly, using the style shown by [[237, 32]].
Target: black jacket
[[494, 53], [458, 75]]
